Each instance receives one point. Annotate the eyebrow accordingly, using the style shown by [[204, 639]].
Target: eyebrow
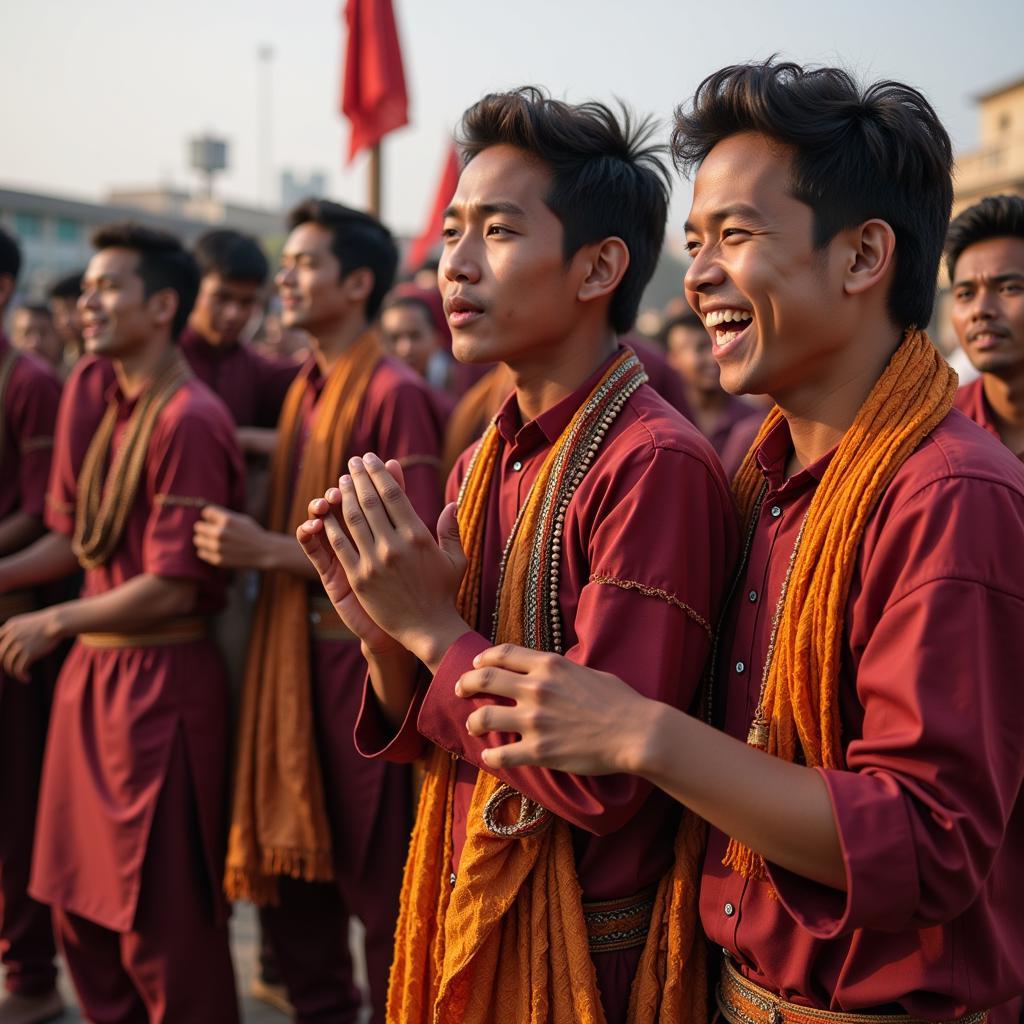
[[740, 210], [498, 206], [1013, 275]]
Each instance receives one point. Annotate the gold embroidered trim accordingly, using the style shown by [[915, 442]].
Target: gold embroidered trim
[[657, 592], [37, 444], [420, 460], [182, 500]]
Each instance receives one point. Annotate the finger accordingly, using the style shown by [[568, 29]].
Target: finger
[[370, 501], [492, 682], [512, 657], [496, 718], [310, 536], [510, 755], [20, 664], [340, 541], [396, 504], [214, 514], [318, 507], [394, 467], [205, 529], [448, 538]]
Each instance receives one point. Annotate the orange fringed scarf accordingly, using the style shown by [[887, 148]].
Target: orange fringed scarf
[[278, 821], [508, 943], [800, 703]]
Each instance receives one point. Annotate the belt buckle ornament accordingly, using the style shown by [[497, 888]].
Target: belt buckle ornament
[[532, 817]]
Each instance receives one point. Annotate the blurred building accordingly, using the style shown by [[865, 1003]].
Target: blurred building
[[295, 188], [997, 165], [54, 231]]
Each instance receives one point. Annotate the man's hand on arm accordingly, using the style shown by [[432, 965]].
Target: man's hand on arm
[[135, 605], [576, 719], [233, 540]]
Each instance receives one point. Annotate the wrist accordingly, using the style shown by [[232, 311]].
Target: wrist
[[432, 644], [58, 622], [271, 550], [643, 752]]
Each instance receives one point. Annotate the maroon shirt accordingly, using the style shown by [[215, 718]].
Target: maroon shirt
[[29, 412], [971, 401], [250, 385], [652, 462], [117, 711], [929, 808]]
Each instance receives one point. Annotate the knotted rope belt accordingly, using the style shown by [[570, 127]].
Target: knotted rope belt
[[743, 1002]]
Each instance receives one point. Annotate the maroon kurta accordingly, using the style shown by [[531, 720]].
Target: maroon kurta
[[368, 802], [654, 510], [929, 810], [250, 385], [118, 711], [26, 938], [971, 401]]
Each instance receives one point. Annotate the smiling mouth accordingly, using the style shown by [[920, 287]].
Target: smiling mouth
[[725, 325]]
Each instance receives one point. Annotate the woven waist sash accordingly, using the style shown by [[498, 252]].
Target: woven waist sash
[[619, 924], [17, 602], [184, 630], [324, 621], [743, 1002]]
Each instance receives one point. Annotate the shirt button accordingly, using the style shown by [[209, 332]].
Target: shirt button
[[752, 596], [776, 511], [451, 878], [729, 910], [517, 465], [740, 667]]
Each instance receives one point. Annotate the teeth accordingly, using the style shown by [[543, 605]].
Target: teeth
[[725, 316]]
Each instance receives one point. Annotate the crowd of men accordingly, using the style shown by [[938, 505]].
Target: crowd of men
[[436, 608]]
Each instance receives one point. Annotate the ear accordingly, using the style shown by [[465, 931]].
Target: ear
[[163, 305], [871, 256], [603, 267], [358, 285]]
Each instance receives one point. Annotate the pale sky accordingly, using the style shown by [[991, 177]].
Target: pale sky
[[106, 93]]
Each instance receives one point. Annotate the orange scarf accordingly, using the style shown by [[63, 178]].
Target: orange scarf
[[798, 714], [279, 821], [508, 943]]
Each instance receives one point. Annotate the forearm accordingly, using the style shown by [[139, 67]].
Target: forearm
[[257, 440], [393, 679], [283, 553], [19, 530], [141, 602], [780, 810], [49, 558]]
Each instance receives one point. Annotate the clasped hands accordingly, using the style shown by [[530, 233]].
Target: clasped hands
[[394, 586]]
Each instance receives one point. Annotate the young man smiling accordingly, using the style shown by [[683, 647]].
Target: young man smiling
[[129, 835], [985, 259], [530, 895], [865, 794]]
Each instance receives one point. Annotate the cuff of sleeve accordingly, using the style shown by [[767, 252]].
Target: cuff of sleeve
[[442, 718], [878, 856], [374, 737]]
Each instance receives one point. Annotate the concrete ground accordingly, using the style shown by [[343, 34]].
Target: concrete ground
[[244, 948]]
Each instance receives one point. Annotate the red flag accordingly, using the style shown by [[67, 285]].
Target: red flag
[[373, 94], [431, 234]]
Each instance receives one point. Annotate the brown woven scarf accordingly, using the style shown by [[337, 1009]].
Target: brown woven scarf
[[279, 821], [105, 500], [508, 944]]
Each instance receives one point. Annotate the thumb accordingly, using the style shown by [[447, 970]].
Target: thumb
[[448, 533]]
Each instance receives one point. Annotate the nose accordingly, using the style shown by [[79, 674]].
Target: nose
[[284, 276], [458, 262], [703, 273], [88, 299], [983, 305]]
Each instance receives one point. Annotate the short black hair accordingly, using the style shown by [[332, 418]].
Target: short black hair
[[608, 179], [993, 217], [10, 255], [67, 287], [857, 154], [402, 300], [236, 257], [163, 263], [358, 241], [35, 309]]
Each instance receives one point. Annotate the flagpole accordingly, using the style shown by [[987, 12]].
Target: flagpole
[[374, 183]]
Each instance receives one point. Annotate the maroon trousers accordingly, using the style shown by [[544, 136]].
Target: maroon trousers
[[369, 808], [175, 963], [26, 936]]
